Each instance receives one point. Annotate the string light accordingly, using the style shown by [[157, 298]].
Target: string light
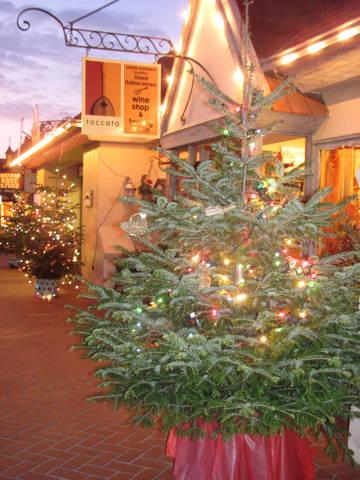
[[219, 21], [239, 76], [291, 57], [301, 284], [347, 34], [263, 339], [195, 258], [241, 298], [186, 14], [316, 47]]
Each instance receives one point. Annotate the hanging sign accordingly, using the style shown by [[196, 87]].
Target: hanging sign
[[121, 101], [10, 181], [141, 95], [101, 115]]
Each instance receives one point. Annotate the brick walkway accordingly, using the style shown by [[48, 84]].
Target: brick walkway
[[47, 431]]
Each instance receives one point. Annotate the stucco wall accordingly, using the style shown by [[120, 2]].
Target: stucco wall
[[343, 102], [105, 168], [210, 44]]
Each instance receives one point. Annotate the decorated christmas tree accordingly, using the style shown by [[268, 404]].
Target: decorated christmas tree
[[227, 313], [43, 233]]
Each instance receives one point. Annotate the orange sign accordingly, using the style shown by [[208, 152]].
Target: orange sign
[[141, 93], [10, 181]]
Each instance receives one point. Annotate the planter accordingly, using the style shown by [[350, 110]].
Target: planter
[[46, 288], [354, 440], [243, 457], [13, 262]]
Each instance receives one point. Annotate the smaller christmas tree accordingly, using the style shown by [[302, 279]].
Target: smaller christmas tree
[[44, 234]]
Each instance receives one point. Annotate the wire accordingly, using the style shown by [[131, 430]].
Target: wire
[[92, 12], [191, 71], [109, 210]]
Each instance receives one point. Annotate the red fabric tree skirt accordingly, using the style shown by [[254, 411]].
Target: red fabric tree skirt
[[243, 457]]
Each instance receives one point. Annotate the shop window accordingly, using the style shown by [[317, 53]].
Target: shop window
[[292, 155], [340, 171]]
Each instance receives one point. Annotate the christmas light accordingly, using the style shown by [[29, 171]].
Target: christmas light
[[227, 262], [349, 33], [291, 57], [241, 298], [186, 14], [195, 258], [219, 21], [239, 76], [316, 47], [239, 273], [214, 312], [301, 284], [302, 314], [263, 339]]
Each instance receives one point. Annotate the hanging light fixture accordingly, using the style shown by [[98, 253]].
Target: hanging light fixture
[[129, 187]]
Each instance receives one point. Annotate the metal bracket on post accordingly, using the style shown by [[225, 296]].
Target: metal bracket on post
[[100, 40]]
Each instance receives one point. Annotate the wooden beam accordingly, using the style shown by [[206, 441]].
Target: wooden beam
[[284, 123], [192, 150]]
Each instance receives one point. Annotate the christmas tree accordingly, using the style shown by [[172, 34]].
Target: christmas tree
[[227, 313], [44, 233]]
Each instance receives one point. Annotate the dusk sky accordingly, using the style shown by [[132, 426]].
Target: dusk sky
[[37, 68]]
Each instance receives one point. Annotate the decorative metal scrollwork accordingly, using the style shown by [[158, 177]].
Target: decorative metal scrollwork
[[99, 40]]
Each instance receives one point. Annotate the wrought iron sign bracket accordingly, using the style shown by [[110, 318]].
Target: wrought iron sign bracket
[[100, 40]]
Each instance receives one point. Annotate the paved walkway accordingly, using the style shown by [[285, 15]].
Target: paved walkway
[[47, 431]]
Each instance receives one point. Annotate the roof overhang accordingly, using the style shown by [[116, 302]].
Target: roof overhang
[[327, 59], [55, 144], [295, 114], [287, 124]]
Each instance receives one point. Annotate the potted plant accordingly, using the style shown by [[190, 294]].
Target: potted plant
[[226, 332], [46, 238]]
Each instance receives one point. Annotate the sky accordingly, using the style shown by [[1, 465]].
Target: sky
[[37, 68]]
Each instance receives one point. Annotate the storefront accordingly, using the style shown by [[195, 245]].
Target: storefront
[[101, 171], [319, 120]]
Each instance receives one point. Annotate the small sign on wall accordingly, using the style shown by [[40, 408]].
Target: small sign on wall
[[121, 100], [10, 181]]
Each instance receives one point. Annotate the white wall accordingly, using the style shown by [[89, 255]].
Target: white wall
[[343, 102], [209, 45], [104, 170]]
